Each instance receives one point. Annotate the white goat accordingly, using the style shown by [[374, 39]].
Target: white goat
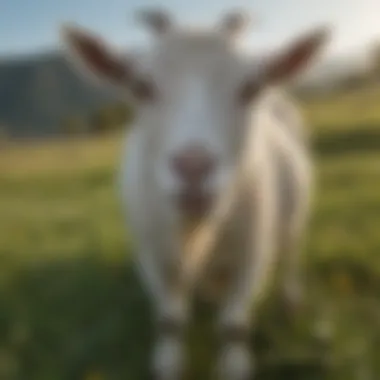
[[211, 134]]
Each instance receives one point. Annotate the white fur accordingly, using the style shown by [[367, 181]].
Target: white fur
[[266, 138], [261, 147]]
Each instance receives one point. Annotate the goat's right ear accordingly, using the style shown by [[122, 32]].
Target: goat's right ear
[[93, 56]]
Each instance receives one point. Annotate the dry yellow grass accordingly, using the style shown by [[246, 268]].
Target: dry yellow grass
[[58, 156]]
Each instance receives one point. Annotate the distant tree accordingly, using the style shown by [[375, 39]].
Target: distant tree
[[375, 60], [124, 113], [103, 120], [110, 118], [74, 125], [352, 81], [3, 136]]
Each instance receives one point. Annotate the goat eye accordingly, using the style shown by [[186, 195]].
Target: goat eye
[[143, 89], [247, 92]]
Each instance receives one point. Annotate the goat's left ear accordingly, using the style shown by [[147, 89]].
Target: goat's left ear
[[297, 56], [93, 56]]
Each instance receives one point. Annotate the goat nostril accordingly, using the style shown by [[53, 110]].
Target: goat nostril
[[193, 168]]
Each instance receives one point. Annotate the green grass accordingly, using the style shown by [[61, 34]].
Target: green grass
[[71, 306]]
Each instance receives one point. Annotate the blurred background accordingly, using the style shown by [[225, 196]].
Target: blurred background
[[71, 306]]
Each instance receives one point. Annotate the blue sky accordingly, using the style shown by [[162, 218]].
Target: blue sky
[[31, 25]]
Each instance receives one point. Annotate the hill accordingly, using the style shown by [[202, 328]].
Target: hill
[[38, 92]]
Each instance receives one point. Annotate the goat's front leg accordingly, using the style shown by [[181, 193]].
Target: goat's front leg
[[292, 244], [292, 284], [247, 289], [170, 299]]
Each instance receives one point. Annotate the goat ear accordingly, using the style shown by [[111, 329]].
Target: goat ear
[[297, 56], [157, 20], [234, 23], [93, 56]]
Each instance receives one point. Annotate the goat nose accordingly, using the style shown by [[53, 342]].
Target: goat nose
[[193, 164]]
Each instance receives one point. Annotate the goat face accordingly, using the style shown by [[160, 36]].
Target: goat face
[[194, 94], [199, 120]]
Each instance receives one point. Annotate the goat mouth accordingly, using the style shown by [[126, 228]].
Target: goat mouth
[[195, 203]]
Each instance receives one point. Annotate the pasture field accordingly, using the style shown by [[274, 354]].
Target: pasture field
[[71, 306]]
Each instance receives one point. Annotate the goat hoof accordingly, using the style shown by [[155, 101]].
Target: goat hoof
[[235, 363], [160, 376], [168, 359]]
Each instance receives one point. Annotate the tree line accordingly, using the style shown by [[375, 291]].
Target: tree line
[[367, 76], [105, 119]]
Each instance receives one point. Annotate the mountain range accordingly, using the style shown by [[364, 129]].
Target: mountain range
[[38, 92]]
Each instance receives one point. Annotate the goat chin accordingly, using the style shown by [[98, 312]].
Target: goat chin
[[207, 287], [200, 237], [213, 286]]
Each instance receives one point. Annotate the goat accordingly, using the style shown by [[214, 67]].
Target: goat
[[215, 174]]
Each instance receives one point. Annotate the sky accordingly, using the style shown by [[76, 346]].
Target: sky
[[28, 26]]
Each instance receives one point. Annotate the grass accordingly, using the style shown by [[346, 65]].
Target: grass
[[71, 306]]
